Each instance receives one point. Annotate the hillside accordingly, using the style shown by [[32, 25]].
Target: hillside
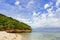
[[12, 25]]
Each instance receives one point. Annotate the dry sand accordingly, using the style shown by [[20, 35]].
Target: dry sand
[[9, 36]]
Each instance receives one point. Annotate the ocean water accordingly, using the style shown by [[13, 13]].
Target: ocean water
[[41, 36]]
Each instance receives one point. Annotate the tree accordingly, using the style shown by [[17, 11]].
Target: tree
[[10, 23]]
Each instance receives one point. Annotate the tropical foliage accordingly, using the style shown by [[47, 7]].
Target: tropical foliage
[[10, 23]]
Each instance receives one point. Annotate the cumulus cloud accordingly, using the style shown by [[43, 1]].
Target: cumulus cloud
[[46, 6], [46, 20], [17, 3], [35, 14], [50, 19]]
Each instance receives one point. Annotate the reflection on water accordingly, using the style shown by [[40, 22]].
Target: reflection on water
[[40, 36]]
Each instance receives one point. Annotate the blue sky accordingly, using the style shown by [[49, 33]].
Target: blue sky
[[36, 13]]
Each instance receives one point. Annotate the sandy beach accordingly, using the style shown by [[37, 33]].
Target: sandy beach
[[9, 36]]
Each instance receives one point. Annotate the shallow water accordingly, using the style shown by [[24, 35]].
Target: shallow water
[[40, 36]]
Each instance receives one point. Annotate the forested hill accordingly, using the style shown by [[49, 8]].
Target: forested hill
[[8, 23]]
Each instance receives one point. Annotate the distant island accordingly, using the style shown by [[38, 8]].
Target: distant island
[[11, 25]]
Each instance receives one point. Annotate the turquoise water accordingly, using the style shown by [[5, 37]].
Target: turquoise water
[[41, 36]]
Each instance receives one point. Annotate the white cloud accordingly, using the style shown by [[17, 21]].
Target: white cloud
[[17, 3], [50, 15], [30, 3], [50, 12], [46, 6], [57, 13], [35, 13]]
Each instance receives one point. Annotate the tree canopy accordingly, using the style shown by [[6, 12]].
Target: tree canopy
[[10, 23]]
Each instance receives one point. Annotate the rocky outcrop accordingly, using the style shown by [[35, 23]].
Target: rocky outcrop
[[18, 31]]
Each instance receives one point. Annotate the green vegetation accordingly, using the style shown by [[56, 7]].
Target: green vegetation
[[7, 23]]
